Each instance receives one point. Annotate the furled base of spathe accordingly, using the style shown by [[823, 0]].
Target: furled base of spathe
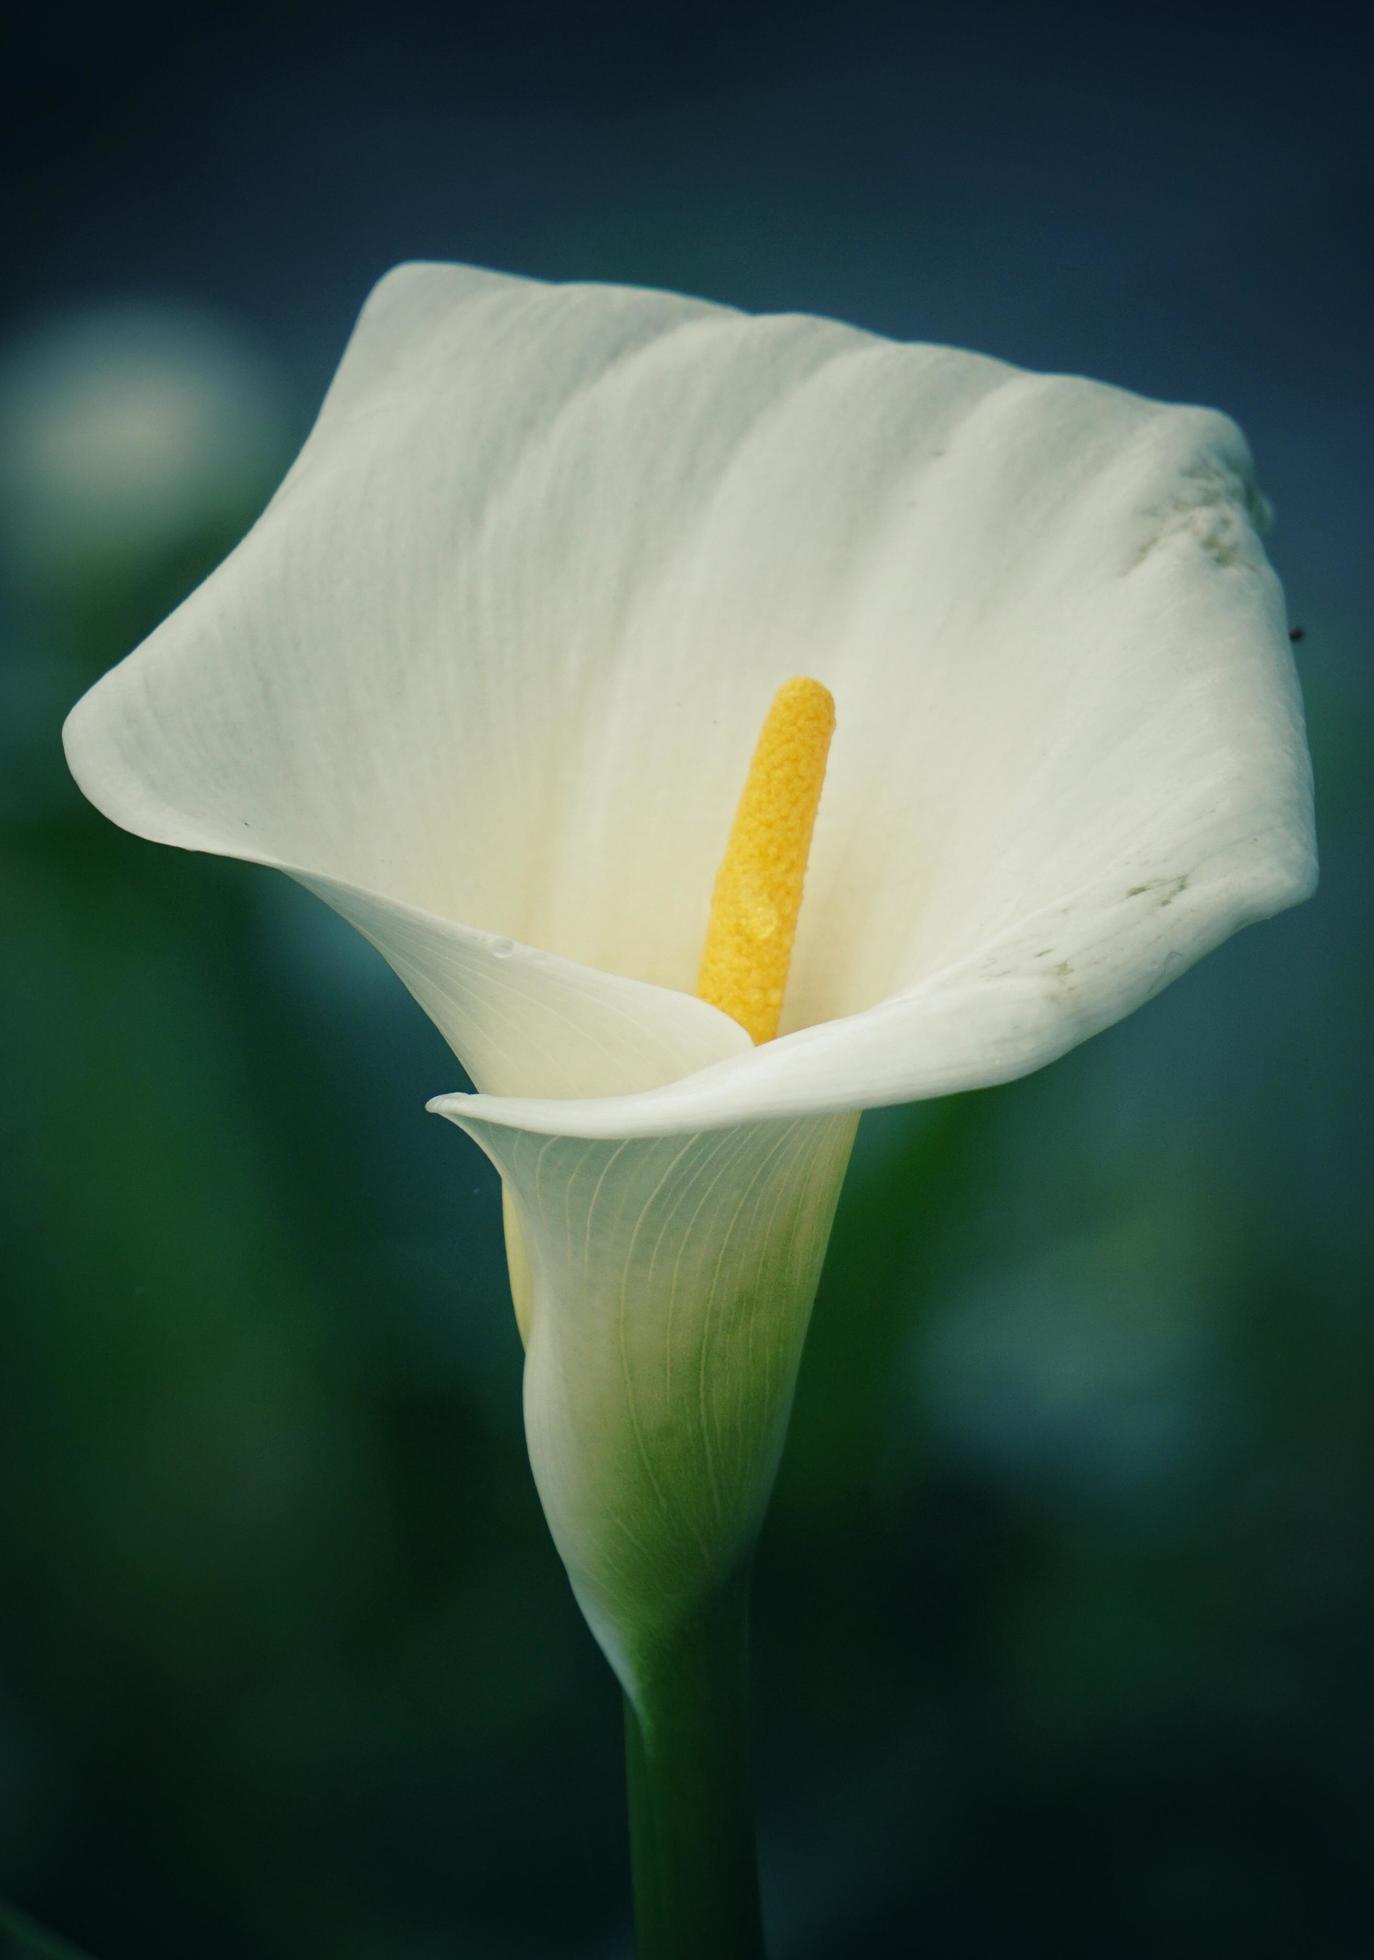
[[665, 1284]]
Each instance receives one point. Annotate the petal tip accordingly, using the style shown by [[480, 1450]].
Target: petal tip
[[449, 1104]]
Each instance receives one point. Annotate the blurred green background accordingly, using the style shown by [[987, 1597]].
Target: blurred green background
[[1065, 1604]]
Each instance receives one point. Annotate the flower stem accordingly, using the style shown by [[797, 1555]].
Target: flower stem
[[687, 1776]]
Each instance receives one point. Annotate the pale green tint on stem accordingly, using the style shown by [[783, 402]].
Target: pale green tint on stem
[[665, 1284], [687, 1781]]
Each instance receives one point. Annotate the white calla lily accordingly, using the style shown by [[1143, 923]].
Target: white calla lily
[[486, 677]]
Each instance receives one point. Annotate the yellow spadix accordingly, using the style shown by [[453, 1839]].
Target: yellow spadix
[[758, 890]]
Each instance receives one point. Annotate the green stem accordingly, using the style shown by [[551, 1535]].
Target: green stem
[[687, 1775]]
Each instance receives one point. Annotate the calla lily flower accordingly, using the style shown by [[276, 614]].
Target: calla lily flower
[[486, 677]]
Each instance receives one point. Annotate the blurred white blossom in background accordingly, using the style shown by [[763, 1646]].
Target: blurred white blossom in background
[[128, 429]]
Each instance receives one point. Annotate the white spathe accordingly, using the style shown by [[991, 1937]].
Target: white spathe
[[664, 1285], [487, 674]]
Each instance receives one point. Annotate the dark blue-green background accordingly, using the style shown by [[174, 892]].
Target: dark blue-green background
[[1065, 1605]]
